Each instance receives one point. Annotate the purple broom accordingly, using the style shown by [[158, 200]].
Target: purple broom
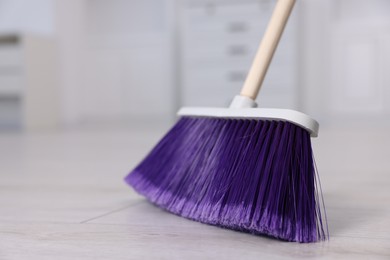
[[242, 167]]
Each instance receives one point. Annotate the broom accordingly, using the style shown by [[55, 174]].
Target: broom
[[242, 168]]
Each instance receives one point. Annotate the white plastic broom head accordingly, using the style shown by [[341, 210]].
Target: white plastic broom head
[[245, 108]]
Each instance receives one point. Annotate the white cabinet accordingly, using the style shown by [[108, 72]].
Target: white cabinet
[[28, 83], [346, 59], [218, 41]]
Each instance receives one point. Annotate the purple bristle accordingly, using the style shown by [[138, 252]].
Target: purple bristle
[[256, 176]]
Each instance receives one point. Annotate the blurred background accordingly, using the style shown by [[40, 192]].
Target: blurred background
[[87, 88], [67, 63]]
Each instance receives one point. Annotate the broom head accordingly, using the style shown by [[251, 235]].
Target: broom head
[[245, 169]]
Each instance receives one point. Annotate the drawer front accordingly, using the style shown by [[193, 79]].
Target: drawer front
[[212, 87], [10, 57], [10, 85], [10, 113], [209, 16], [226, 28], [215, 24], [227, 31], [227, 53]]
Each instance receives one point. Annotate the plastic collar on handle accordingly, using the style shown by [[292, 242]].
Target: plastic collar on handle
[[243, 102]]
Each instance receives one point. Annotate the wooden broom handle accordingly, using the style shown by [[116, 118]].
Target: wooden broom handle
[[267, 48]]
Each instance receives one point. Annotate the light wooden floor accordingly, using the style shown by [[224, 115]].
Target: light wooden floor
[[62, 197]]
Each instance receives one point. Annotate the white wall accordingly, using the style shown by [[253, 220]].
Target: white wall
[[27, 16], [70, 31], [129, 59], [116, 59]]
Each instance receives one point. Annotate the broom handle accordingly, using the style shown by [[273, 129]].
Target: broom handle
[[267, 48]]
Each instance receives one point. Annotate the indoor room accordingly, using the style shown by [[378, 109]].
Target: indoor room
[[88, 88]]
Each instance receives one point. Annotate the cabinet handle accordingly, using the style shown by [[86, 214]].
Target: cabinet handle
[[237, 50], [9, 40], [237, 27], [236, 76]]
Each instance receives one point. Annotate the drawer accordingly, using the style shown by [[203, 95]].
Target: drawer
[[236, 19], [195, 41], [199, 99], [10, 57], [224, 29], [228, 53], [202, 15], [10, 85], [206, 98], [215, 87], [220, 84], [218, 77], [10, 113], [236, 25]]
